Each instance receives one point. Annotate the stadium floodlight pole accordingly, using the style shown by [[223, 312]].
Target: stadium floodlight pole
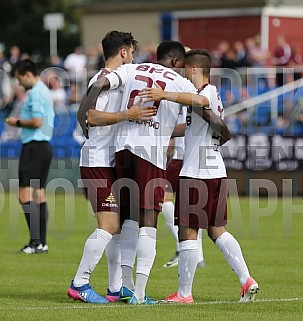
[[53, 22], [53, 42]]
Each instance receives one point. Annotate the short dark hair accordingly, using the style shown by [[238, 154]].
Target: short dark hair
[[200, 57], [170, 49], [116, 40], [22, 66]]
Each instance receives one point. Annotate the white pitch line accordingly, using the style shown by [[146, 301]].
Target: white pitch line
[[116, 306]]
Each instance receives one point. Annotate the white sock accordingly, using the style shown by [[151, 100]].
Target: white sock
[[113, 254], [187, 266], [233, 255], [168, 209], [201, 261], [146, 253], [141, 281], [92, 253], [128, 244]]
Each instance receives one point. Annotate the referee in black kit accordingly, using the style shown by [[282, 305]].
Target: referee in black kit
[[37, 123]]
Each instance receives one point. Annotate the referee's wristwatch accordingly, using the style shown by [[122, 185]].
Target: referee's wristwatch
[[18, 123]]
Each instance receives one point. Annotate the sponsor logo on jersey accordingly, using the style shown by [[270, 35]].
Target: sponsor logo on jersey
[[111, 201]]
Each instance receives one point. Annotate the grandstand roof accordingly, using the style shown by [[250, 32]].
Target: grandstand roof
[[169, 5], [105, 6]]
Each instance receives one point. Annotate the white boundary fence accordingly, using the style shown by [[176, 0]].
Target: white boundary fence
[[271, 95]]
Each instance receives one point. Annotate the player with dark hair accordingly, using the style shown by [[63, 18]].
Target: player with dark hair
[[171, 51], [115, 40], [141, 150], [37, 123], [98, 174], [202, 194]]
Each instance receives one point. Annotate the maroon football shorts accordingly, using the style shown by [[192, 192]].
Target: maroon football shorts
[[98, 183], [172, 175], [140, 182], [201, 202]]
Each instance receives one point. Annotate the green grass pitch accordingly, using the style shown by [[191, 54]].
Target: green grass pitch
[[270, 232]]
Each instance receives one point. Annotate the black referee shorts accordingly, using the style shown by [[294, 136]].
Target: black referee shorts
[[34, 164]]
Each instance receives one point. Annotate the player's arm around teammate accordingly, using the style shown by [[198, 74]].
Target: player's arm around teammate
[[136, 112], [199, 104], [88, 115]]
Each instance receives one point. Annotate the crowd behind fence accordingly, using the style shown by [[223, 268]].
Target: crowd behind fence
[[243, 73]]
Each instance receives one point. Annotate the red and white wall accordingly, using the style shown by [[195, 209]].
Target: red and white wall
[[206, 28]]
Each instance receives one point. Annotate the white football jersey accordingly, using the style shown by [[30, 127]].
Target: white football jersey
[[180, 141], [202, 157], [149, 139], [99, 149]]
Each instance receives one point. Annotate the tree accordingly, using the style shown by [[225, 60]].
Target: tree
[[21, 24]]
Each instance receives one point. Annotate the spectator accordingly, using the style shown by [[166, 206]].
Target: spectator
[[73, 96], [92, 62], [257, 55], [240, 54], [14, 55], [297, 119], [295, 60], [56, 61], [281, 125], [146, 53], [75, 64], [218, 53], [58, 93], [11, 133], [228, 59], [2, 58], [281, 58], [5, 89], [227, 97]]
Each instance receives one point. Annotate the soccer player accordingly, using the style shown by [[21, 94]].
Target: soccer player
[[201, 197], [141, 148], [172, 175], [98, 174], [37, 123]]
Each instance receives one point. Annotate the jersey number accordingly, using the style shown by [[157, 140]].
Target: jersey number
[[149, 82]]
